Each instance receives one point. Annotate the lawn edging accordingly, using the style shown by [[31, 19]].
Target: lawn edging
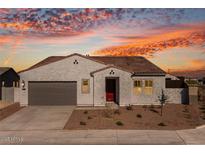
[[8, 110]]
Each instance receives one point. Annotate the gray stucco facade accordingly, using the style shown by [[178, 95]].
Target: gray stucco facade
[[66, 70]]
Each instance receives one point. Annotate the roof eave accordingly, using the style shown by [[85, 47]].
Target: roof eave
[[148, 74]]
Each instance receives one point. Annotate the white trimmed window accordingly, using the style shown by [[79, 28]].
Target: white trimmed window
[[148, 89], [137, 87], [85, 86]]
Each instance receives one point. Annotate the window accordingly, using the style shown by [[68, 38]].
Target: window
[[148, 89], [137, 87], [85, 86]]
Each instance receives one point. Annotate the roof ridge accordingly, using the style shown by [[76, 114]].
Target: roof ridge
[[125, 62], [118, 56]]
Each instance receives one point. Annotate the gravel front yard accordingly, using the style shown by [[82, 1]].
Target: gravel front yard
[[4, 104], [175, 117]]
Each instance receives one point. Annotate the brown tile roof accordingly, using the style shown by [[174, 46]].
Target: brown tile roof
[[134, 64], [4, 69], [44, 62]]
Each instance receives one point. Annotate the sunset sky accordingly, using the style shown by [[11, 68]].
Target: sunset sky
[[171, 38]]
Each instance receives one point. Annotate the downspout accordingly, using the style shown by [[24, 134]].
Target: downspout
[[93, 89]]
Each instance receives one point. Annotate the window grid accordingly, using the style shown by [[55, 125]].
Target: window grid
[[85, 86], [137, 87]]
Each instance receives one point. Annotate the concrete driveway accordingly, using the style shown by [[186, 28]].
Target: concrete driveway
[[37, 118]]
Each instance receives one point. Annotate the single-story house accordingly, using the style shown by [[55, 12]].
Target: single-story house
[[91, 81], [8, 78]]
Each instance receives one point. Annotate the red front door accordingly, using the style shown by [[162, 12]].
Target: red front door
[[110, 90], [109, 96]]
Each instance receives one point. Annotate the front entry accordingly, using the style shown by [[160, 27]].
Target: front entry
[[112, 89]]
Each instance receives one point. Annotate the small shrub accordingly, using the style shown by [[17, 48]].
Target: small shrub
[[89, 117], [202, 108], [187, 116], [153, 110], [161, 124], [151, 106], [85, 112], [185, 110], [129, 107], [139, 116], [144, 107], [119, 123], [82, 123], [117, 112]]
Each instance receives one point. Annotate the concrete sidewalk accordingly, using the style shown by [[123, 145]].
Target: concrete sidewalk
[[196, 136]]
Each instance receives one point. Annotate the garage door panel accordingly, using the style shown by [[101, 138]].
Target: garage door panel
[[52, 93]]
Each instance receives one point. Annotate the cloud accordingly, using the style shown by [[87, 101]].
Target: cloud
[[192, 35], [197, 64], [52, 21], [71, 21]]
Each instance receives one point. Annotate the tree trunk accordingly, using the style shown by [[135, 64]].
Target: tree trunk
[[161, 109]]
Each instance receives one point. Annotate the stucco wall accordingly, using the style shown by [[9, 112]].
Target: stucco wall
[[177, 95], [124, 86], [16, 94], [193, 94], [141, 99], [126, 92], [63, 70], [8, 94]]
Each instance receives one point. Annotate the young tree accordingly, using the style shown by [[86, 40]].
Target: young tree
[[162, 99]]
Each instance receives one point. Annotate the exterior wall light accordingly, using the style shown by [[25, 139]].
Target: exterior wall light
[[3, 83], [23, 84]]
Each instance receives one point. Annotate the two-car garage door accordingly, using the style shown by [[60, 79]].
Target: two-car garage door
[[52, 93]]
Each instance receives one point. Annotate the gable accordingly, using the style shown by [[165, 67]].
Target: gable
[[69, 68], [108, 67], [57, 60]]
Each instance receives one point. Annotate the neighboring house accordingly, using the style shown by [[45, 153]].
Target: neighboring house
[[8, 78], [91, 81], [202, 81], [192, 82]]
